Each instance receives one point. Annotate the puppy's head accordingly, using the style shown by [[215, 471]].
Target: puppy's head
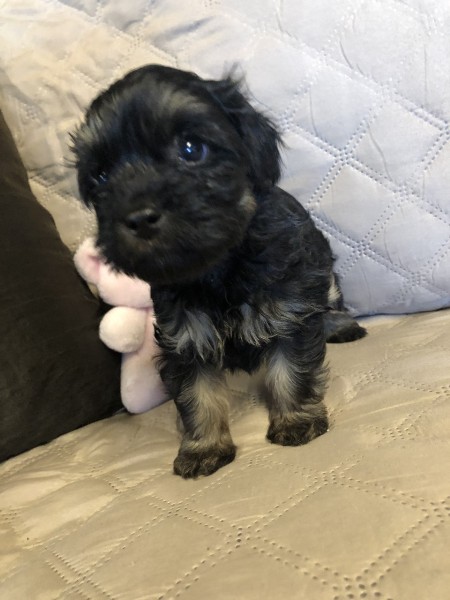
[[172, 164]]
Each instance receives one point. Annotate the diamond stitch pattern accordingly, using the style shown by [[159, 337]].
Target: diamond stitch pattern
[[359, 89], [347, 515], [344, 84]]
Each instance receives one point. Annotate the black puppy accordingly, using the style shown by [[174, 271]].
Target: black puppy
[[181, 173]]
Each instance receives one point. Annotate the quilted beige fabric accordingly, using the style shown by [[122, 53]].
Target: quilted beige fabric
[[358, 88], [360, 513]]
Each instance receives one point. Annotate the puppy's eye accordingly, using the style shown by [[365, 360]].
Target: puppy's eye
[[192, 150], [101, 178]]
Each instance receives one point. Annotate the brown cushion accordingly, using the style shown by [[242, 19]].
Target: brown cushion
[[55, 374]]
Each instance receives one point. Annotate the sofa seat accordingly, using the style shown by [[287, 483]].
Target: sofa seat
[[362, 512]]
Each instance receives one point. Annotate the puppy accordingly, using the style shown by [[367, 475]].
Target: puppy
[[182, 175]]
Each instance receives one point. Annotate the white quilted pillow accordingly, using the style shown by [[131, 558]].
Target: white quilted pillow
[[359, 90]]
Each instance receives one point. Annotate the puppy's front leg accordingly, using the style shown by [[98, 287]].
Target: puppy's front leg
[[200, 394], [295, 384]]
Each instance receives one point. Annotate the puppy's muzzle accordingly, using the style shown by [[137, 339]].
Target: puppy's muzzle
[[143, 223]]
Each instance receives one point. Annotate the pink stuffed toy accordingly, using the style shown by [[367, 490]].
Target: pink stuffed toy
[[127, 328]]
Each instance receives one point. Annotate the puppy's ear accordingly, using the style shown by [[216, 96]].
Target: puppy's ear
[[258, 133]]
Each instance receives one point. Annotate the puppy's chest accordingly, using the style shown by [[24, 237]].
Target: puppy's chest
[[233, 336], [209, 333]]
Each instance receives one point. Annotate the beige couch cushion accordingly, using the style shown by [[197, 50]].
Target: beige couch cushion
[[362, 512]]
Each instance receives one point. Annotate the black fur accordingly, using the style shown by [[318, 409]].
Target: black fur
[[181, 173]]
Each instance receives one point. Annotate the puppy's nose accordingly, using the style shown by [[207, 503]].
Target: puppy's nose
[[142, 222]]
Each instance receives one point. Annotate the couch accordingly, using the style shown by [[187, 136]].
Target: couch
[[89, 507]]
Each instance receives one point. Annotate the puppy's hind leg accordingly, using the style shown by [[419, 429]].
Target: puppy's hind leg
[[294, 385], [339, 325], [201, 399]]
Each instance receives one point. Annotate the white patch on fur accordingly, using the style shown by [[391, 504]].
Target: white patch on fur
[[211, 397], [209, 394], [248, 202], [196, 329], [262, 323], [254, 329], [334, 293], [280, 379]]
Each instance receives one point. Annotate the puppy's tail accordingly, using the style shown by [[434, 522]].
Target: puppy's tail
[[341, 327]]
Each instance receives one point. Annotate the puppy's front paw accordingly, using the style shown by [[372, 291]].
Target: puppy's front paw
[[296, 431], [192, 462]]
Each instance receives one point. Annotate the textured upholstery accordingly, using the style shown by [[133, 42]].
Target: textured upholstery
[[359, 89], [362, 512]]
